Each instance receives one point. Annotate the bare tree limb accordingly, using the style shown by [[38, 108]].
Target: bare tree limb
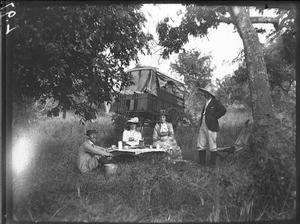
[[254, 19]]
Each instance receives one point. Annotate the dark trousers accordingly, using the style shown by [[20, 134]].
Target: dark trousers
[[202, 158], [213, 158]]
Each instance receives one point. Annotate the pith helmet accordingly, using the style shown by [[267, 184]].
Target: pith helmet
[[209, 88], [134, 120]]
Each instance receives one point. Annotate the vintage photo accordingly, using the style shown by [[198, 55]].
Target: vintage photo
[[149, 112]]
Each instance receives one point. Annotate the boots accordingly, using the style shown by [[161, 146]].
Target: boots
[[202, 157], [213, 158]]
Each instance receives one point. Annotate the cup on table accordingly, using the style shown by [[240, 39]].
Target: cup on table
[[126, 147], [150, 146], [120, 145], [113, 146], [141, 142]]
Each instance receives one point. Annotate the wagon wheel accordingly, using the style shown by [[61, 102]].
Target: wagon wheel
[[174, 116]]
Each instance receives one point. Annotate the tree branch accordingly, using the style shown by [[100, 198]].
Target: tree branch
[[261, 19], [224, 19], [255, 19]]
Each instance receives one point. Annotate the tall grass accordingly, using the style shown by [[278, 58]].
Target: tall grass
[[50, 188]]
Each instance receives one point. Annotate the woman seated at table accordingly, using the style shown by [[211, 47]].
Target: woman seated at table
[[132, 137], [163, 135]]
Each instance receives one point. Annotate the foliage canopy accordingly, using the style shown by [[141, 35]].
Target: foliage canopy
[[75, 54], [197, 72]]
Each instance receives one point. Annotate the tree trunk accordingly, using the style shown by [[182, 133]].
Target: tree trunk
[[261, 103]]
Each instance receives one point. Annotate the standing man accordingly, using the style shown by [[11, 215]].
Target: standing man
[[209, 124], [91, 155]]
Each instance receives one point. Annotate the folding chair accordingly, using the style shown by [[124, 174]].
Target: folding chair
[[240, 143]]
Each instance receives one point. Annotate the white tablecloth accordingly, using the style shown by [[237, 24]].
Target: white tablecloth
[[137, 151]]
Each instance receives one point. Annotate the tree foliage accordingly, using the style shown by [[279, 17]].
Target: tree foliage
[[263, 70], [75, 54], [196, 22], [280, 54], [194, 67], [197, 72], [280, 57]]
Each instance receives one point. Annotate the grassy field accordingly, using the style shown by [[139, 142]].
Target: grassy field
[[48, 187]]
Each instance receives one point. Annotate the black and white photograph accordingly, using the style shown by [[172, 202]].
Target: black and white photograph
[[148, 112]]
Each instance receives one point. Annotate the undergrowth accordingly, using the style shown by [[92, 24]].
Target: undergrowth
[[50, 187]]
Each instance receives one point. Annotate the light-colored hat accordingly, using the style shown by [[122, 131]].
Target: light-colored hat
[[209, 88], [134, 120]]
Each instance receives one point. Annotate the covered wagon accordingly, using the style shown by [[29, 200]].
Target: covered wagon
[[151, 92]]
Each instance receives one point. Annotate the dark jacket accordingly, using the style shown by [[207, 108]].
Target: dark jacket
[[214, 111]]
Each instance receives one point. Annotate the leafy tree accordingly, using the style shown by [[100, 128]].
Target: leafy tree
[[279, 54], [197, 72], [74, 54], [194, 67], [197, 21], [269, 137]]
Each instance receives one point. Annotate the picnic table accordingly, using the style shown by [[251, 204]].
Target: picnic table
[[136, 150]]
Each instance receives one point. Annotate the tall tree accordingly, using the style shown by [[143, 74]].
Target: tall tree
[[197, 72], [197, 21], [257, 71], [74, 54], [280, 57]]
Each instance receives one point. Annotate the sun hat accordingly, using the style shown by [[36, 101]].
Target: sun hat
[[163, 112], [209, 88], [134, 120], [89, 132]]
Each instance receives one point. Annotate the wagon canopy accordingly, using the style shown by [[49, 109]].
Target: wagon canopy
[[149, 80], [144, 81]]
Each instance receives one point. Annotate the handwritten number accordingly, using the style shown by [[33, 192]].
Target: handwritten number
[[12, 4], [8, 30], [9, 14]]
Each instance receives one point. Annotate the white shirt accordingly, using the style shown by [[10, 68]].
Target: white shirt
[[132, 137], [207, 102]]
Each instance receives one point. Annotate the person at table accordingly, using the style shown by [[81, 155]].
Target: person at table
[[91, 155], [163, 135], [132, 137]]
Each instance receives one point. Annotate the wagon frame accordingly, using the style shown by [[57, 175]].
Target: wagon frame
[[152, 92]]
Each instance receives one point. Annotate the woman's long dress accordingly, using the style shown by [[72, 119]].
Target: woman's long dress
[[163, 135]]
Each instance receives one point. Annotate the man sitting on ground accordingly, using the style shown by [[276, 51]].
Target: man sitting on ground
[[91, 155]]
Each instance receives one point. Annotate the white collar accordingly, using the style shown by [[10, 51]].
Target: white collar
[[208, 101], [90, 141]]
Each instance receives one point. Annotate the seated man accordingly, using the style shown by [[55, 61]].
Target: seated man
[[163, 136], [132, 137], [90, 155]]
